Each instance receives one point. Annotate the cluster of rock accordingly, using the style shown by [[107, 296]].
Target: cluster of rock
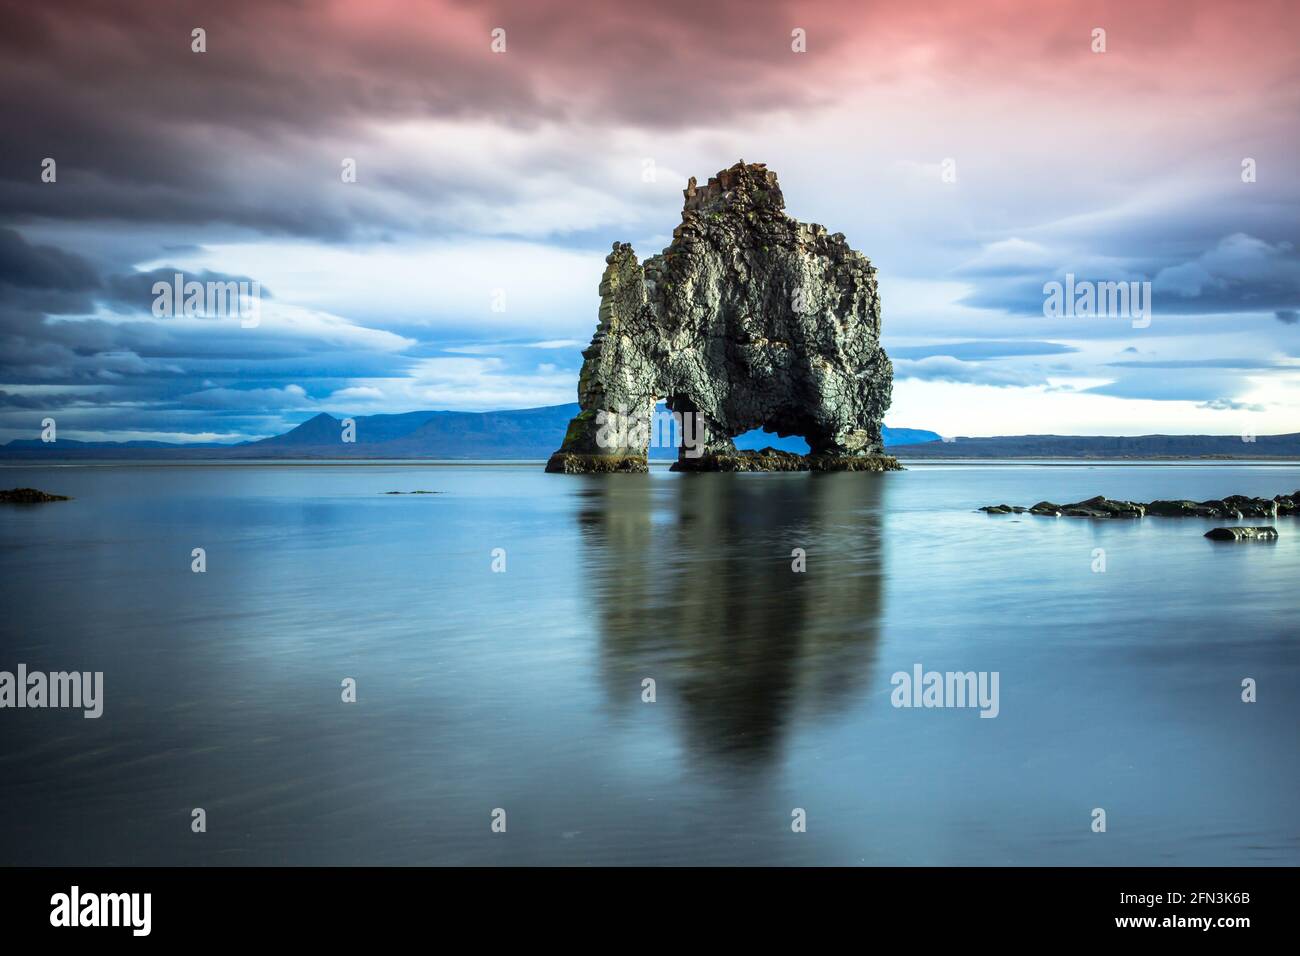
[[748, 319], [28, 496], [1233, 506]]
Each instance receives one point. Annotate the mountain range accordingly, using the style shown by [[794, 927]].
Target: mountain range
[[525, 433], [1100, 446], [533, 433]]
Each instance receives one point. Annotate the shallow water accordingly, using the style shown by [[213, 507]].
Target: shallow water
[[523, 690]]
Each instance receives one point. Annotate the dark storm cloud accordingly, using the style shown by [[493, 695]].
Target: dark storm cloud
[[38, 280], [42, 267], [209, 377], [44, 402], [143, 128], [134, 292]]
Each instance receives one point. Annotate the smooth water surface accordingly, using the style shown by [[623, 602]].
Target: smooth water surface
[[523, 690]]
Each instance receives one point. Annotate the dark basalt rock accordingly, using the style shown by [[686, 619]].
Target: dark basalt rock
[[1182, 509], [1242, 534], [1100, 507], [1003, 509], [773, 459], [1251, 507], [573, 463], [766, 459], [28, 496], [748, 319], [1233, 506]]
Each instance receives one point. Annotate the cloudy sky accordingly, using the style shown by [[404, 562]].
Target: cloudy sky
[[974, 152]]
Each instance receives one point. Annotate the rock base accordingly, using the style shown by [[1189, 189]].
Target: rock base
[[773, 459], [575, 463]]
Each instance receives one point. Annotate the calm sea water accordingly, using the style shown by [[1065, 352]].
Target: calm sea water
[[523, 690]]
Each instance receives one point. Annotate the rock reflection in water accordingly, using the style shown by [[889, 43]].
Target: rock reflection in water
[[691, 583]]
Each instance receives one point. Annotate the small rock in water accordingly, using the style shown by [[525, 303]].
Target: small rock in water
[[1003, 509], [28, 496], [1242, 534]]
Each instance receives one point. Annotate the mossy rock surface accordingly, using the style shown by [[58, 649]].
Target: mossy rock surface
[[571, 463]]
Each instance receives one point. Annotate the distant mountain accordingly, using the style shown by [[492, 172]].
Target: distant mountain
[[1076, 446], [518, 433], [907, 436], [533, 433], [524, 433]]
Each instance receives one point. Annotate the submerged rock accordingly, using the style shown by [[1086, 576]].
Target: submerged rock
[[1242, 534], [28, 496], [749, 319]]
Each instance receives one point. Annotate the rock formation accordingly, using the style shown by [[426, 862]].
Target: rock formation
[[749, 319]]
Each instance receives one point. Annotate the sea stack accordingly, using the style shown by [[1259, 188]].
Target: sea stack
[[749, 319]]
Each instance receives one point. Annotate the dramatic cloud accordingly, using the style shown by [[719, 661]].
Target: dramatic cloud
[[974, 153], [945, 368]]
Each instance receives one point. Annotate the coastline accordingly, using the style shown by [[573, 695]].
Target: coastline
[[655, 464]]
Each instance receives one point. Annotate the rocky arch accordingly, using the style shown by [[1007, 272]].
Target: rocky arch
[[748, 319]]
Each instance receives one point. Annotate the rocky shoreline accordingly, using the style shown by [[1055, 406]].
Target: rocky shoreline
[[1233, 506]]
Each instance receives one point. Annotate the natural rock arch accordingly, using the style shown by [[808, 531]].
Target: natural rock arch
[[749, 319]]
